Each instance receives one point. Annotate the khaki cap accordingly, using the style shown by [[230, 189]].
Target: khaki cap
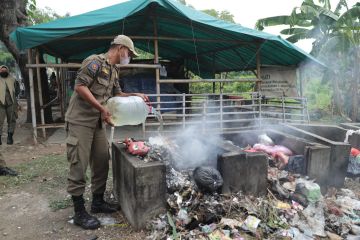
[[127, 42]]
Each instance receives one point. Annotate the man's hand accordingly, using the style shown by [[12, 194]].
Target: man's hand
[[143, 96], [106, 116]]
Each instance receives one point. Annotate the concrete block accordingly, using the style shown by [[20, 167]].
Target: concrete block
[[317, 156], [246, 172], [139, 187], [339, 151], [354, 139]]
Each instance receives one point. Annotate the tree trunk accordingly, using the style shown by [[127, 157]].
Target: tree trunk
[[336, 94], [12, 15], [355, 87]]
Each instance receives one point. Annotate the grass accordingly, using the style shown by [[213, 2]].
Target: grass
[[58, 204], [41, 168], [50, 174]]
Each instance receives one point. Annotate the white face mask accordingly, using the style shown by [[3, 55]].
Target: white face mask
[[124, 61]]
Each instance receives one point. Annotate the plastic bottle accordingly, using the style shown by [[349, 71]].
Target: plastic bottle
[[128, 110]]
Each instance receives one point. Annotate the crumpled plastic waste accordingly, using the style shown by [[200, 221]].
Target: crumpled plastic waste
[[353, 168], [309, 189], [311, 221], [251, 223], [294, 208], [265, 139], [136, 147], [272, 150]]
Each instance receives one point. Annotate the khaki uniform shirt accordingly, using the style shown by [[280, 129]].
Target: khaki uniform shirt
[[7, 85], [102, 80]]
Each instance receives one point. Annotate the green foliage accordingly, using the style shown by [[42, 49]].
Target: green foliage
[[223, 15], [44, 15], [38, 15], [336, 38], [5, 57], [318, 94], [232, 87]]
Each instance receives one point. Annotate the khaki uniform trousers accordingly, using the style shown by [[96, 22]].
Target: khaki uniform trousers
[[87, 146], [2, 161], [10, 112]]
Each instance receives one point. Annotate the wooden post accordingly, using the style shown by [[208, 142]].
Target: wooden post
[[58, 77], [157, 71], [41, 102], [214, 71], [258, 64], [32, 97]]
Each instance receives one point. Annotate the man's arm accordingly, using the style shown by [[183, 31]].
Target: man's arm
[[85, 93]]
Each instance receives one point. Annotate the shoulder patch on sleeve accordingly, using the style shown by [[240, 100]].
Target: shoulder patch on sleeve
[[93, 66]]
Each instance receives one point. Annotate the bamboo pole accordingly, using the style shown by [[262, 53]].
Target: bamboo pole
[[214, 72], [258, 72], [78, 65], [41, 102], [157, 71], [208, 80], [167, 38], [32, 98], [59, 88]]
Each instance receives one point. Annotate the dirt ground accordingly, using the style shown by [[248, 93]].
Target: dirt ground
[[35, 205]]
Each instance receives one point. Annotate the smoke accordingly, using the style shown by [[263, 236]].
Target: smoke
[[189, 148]]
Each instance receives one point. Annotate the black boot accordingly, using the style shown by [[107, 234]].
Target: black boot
[[82, 218], [100, 206], [5, 171], [10, 140]]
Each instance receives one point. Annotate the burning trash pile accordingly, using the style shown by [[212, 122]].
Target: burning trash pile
[[294, 207]]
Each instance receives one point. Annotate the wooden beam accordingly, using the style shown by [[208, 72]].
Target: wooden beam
[[156, 55], [41, 103], [78, 65], [32, 97], [258, 65], [167, 38], [207, 80]]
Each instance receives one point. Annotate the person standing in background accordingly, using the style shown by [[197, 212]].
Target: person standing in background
[[8, 102]]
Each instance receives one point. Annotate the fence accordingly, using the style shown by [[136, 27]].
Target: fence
[[224, 112]]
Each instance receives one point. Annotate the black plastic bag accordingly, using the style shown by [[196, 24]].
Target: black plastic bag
[[207, 179]]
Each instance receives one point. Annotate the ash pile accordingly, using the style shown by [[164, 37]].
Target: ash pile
[[294, 207]]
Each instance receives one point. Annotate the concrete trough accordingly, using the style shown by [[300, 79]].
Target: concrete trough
[[354, 139], [139, 187], [328, 135], [317, 156]]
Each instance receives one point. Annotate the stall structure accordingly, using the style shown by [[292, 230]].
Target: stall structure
[[170, 31]]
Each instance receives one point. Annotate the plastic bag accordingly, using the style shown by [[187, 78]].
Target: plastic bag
[[207, 179], [265, 139]]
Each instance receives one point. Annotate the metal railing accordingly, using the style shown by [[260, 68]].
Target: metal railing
[[224, 112]]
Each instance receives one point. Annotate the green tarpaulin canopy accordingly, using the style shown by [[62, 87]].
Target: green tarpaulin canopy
[[208, 44]]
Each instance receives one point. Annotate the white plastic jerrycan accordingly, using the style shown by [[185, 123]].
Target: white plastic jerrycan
[[128, 110]]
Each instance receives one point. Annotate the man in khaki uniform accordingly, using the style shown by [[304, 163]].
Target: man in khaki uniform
[[96, 82], [5, 170], [8, 103]]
